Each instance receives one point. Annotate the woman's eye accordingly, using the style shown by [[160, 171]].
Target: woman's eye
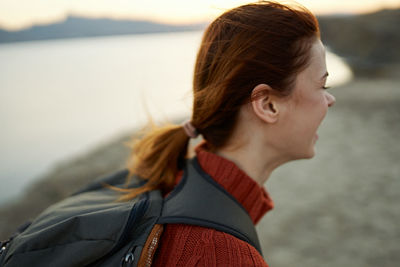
[[326, 87]]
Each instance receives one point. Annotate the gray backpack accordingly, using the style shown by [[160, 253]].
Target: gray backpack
[[90, 228]]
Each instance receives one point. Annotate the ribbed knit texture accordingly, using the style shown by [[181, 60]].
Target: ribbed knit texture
[[186, 245]]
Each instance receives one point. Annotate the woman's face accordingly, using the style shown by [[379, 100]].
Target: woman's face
[[307, 106]]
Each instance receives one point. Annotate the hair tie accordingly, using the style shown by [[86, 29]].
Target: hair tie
[[189, 129]]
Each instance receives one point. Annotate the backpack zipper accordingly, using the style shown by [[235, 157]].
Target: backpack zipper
[[129, 258], [3, 247], [137, 211], [146, 257], [153, 245]]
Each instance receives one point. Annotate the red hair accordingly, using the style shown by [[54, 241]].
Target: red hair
[[265, 42]]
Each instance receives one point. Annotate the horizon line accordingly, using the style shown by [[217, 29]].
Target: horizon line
[[69, 14]]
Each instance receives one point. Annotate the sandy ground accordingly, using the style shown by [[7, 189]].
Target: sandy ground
[[339, 209], [342, 207]]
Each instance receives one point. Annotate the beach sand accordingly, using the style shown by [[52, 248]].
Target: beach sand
[[342, 207], [339, 209]]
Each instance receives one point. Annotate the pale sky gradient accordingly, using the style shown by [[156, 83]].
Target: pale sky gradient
[[16, 14]]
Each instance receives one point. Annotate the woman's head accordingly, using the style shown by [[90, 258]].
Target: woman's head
[[290, 128], [260, 43], [265, 45]]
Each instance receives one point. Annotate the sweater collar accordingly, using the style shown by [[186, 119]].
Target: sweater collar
[[253, 197]]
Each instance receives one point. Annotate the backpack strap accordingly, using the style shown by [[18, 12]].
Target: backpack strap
[[199, 200]]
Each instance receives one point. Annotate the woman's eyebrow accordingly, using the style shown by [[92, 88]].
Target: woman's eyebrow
[[325, 75]]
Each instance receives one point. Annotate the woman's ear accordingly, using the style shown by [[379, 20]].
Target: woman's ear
[[264, 103]]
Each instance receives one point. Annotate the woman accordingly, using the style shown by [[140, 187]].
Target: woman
[[259, 97]]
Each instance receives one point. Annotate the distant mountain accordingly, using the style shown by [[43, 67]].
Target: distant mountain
[[370, 43], [76, 27]]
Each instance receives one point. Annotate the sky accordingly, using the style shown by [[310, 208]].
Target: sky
[[17, 14]]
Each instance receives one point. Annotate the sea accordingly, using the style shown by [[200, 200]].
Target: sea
[[59, 98]]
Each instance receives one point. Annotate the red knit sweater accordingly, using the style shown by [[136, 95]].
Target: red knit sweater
[[186, 245]]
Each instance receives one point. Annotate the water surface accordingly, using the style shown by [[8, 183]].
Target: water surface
[[59, 98]]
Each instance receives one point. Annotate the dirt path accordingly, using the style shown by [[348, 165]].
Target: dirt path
[[339, 209], [342, 207]]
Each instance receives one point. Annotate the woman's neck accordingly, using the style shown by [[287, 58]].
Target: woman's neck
[[255, 163]]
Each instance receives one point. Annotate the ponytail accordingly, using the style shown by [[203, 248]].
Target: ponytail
[[157, 158], [265, 42]]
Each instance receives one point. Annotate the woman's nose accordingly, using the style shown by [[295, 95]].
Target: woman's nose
[[331, 99]]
